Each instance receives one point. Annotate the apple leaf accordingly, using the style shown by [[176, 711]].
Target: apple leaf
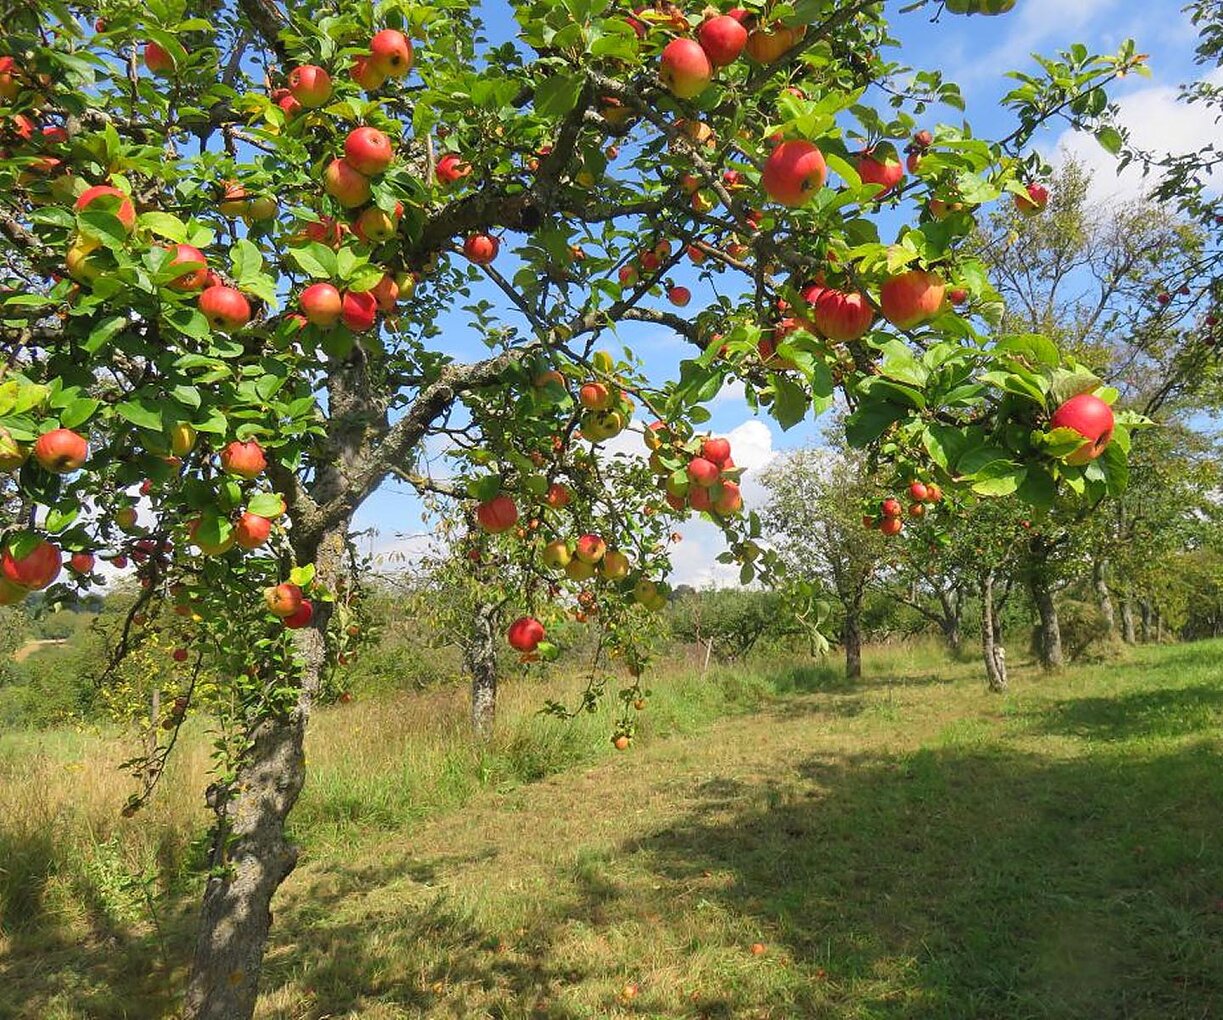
[[303, 575], [557, 95], [142, 412], [164, 225], [266, 504], [999, 478], [870, 421], [791, 404], [78, 412]]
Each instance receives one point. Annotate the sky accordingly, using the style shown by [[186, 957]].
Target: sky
[[974, 52]]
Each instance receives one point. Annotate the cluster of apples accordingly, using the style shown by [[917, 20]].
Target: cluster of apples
[[709, 481], [606, 410], [650, 261], [890, 520], [287, 601], [247, 461]]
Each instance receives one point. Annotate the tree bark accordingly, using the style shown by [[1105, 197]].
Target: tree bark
[[1099, 582], [953, 606], [481, 661], [852, 636], [1049, 633], [250, 855], [991, 647], [1127, 621], [1144, 608]]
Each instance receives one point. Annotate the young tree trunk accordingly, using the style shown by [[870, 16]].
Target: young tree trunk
[[852, 637], [1049, 633], [1100, 583], [250, 855], [993, 653], [1127, 621], [1144, 609], [481, 661], [953, 606]]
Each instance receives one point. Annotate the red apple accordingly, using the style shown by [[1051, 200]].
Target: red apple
[[481, 248], [179, 655], [525, 634], [703, 472], [391, 53], [451, 167], [919, 491], [840, 316], [10, 84], [321, 305], [959, 296], [359, 310], [1035, 202], [365, 74], [301, 617], [192, 279], [590, 549], [157, 60], [310, 85], [722, 38], [283, 599], [244, 459], [794, 172], [61, 451], [1091, 418], [497, 515], [345, 184], [685, 69], [252, 531], [891, 508], [716, 451], [765, 45], [594, 396], [729, 500], [386, 293], [891, 525], [126, 212], [880, 166], [911, 298], [679, 296], [82, 562], [368, 151], [35, 569], [558, 496], [225, 308]]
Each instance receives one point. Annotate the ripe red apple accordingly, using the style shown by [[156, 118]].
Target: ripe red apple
[[891, 525], [703, 472], [34, 570], [629, 277], [283, 599], [252, 531], [891, 508], [225, 308], [244, 459], [368, 151], [1091, 418], [525, 634], [386, 293], [345, 184], [497, 515], [794, 172], [590, 549], [192, 279], [919, 491], [716, 451], [679, 296], [558, 496], [880, 166], [310, 85], [933, 493], [157, 60], [359, 310], [321, 305], [695, 255], [10, 83], [685, 69], [1035, 202], [179, 655], [126, 212], [722, 38], [82, 562], [765, 45], [729, 500], [365, 74], [451, 167], [840, 316], [481, 248], [390, 53], [911, 298], [301, 617], [61, 451], [959, 296], [325, 231]]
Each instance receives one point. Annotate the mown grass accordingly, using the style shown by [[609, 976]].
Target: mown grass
[[909, 846]]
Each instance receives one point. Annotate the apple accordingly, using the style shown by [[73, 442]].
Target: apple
[[252, 531], [695, 255], [685, 69], [192, 279], [590, 549], [765, 45], [525, 634], [35, 569], [481, 248], [629, 277], [179, 655], [716, 451], [61, 451], [359, 310], [794, 172], [556, 554], [451, 167], [287, 102], [235, 201], [321, 304], [933, 493], [390, 53], [621, 742], [729, 500], [125, 213], [157, 60], [283, 599], [919, 491], [679, 296], [182, 439], [368, 151], [376, 225], [225, 308], [839, 316], [880, 166], [244, 459], [558, 496], [702, 472], [310, 85], [1035, 202], [81, 562], [345, 184], [365, 74], [1092, 419], [891, 508], [959, 296], [722, 38], [615, 566], [301, 617], [125, 518], [386, 293], [497, 515], [891, 525], [917, 510], [325, 231], [263, 207], [9, 79], [911, 298]]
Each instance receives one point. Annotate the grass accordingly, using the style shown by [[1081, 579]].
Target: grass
[[909, 846]]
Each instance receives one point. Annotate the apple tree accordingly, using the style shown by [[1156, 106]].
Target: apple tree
[[259, 257]]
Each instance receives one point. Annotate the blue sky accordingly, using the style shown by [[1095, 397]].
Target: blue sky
[[973, 51]]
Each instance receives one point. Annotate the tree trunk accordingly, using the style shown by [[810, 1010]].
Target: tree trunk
[[993, 652], [250, 856], [852, 637], [953, 606], [481, 661], [1144, 608], [1100, 582], [1127, 621], [1049, 633]]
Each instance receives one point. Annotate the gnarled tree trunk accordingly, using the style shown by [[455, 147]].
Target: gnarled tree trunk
[[1049, 631], [250, 855], [1099, 582], [1127, 621], [952, 602], [480, 657], [991, 647]]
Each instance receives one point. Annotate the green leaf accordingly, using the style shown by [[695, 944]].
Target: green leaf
[[78, 412], [246, 260], [142, 412], [317, 260], [1038, 488], [164, 225], [101, 334], [303, 575], [557, 95], [999, 478], [791, 404], [266, 504], [188, 396], [1110, 138], [870, 421]]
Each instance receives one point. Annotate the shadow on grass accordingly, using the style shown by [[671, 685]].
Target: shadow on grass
[[1172, 712]]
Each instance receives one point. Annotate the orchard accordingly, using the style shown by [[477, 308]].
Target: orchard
[[232, 235]]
